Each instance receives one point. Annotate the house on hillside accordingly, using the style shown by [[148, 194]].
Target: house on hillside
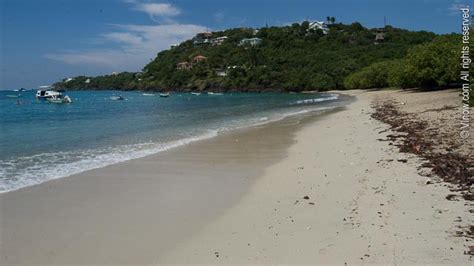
[[202, 38], [221, 72], [379, 36], [219, 40], [250, 41], [184, 66], [199, 59], [321, 25]]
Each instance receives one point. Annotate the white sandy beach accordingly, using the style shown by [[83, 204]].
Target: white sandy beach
[[367, 209], [362, 206]]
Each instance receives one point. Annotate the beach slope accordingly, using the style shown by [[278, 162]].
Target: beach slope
[[340, 196]]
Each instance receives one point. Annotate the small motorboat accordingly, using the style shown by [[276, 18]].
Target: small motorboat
[[196, 93], [45, 92], [164, 95], [117, 98], [65, 99], [215, 93], [148, 94], [13, 95]]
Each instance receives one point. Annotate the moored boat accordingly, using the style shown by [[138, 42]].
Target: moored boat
[[196, 93], [117, 98], [164, 95], [45, 92]]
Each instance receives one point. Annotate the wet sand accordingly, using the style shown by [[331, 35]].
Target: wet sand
[[136, 211], [340, 197]]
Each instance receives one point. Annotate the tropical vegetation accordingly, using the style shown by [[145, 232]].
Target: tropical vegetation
[[297, 57]]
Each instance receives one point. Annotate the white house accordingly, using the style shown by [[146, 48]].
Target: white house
[[250, 41], [219, 40], [221, 72], [202, 38], [321, 25]]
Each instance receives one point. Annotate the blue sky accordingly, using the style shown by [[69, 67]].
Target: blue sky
[[43, 41]]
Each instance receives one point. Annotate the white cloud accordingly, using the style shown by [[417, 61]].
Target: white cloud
[[101, 58], [158, 9], [124, 37], [128, 47], [158, 12], [136, 44], [455, 8]]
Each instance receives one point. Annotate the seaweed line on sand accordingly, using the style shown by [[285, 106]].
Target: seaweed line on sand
[[440, 151]]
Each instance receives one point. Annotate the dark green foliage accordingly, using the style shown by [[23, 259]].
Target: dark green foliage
[[373, 76], [428, 65], [435, 63], [290, 58]]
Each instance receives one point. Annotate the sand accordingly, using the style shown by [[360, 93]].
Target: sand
[[314, 190], [368, 207]]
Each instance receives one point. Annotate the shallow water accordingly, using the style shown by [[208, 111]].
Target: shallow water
[[40, 141]]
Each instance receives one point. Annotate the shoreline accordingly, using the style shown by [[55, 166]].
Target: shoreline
[[319, 189], [340, 197], [156, 148], [168, 195]]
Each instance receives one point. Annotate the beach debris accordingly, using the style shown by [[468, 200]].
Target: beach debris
[[402, 160], [311, 203], [306, 197], [470, 251], [216, 254], [435, 143], [438, 148], [452, 197]]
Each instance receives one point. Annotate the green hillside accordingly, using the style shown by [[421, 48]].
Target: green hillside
[[289, 58]]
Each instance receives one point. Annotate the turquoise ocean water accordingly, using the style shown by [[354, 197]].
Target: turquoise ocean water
[[40, 141]]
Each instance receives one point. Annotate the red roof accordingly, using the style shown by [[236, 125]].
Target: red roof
[[199, 57]]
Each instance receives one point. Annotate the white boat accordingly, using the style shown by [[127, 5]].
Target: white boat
[[196, 93], [117, 98], [148, 94], [215, 93], [164, 95], [65, 99], [45, 92]]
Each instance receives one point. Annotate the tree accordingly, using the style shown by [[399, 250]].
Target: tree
[[435, 63]]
